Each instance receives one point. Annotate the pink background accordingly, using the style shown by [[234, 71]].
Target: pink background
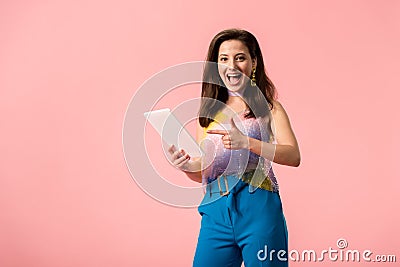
[[68, 70]]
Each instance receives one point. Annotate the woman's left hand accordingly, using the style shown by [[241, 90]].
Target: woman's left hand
[[233, 139]]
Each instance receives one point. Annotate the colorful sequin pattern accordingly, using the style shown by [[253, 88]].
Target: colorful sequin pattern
[[221, 161]]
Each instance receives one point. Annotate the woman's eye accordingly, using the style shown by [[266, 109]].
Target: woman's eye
[[222, 59], [240, 58]]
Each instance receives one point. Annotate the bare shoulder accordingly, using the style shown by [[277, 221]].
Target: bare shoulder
[[279, 115], [277, 107]]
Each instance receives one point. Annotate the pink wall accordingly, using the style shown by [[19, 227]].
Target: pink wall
[[68, 70]]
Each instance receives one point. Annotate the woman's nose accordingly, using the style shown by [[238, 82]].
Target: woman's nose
[[231, 64]]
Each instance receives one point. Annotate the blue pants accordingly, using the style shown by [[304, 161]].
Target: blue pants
[[241, 226]]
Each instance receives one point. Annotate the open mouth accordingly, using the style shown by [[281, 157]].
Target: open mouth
[[234, 78]]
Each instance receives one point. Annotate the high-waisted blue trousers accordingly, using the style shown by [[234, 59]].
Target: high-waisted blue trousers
[[241, 226]]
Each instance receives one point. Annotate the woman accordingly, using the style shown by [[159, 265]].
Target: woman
[[242, 129]]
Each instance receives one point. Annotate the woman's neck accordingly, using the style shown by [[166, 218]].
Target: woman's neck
[[236, 103], [236, 93]]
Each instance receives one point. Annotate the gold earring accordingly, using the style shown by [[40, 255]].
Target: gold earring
[[253, 78]]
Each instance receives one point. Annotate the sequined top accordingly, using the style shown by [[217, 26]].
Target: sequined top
[[219, 161]]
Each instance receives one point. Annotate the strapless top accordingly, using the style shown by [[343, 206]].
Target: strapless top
[[218, 160]]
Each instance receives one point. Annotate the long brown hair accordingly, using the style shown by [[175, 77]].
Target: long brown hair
[[215, 94]]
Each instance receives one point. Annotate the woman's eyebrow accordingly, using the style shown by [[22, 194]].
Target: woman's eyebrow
[[240, 53]]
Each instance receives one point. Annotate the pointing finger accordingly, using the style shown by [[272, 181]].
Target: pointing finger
[[223, 132]]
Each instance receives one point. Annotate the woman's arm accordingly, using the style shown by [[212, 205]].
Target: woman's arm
[[195, 175], [286, 151]]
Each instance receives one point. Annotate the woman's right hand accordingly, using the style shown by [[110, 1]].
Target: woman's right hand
[[179, 158]]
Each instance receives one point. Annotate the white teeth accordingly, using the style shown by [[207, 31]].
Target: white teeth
[[233, 78]]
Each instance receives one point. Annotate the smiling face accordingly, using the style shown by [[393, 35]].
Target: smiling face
[[235, 60]]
